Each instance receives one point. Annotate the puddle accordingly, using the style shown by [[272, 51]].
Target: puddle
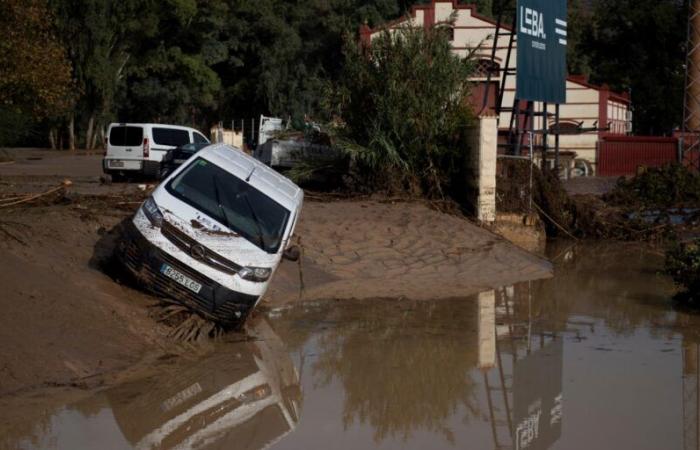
[[593, 358]]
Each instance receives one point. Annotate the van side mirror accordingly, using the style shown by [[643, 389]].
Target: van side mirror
[[292, 253]]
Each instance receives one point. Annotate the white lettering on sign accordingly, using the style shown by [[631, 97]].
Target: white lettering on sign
[[532, 23], [560, 29], [528, 430]]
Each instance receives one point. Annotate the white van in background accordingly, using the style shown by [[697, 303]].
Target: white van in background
[[213, 233], [133, 148]]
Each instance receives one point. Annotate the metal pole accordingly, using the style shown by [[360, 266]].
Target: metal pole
[[556, 139], [516, 115], [531, 164], [545, 127]]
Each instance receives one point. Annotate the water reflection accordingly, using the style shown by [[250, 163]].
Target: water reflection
[[594, 358], [243, 396], [522, 372], [554, 364]]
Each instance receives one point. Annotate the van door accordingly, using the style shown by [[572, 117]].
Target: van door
[[125, 147], [165, 139], [198, 138]]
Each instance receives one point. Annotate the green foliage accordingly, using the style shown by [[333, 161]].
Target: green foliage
[[34, 74], [638, 46], [404, 105], [170, 76], [683, 265], [668, 186]]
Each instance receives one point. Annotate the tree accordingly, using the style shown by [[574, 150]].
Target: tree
[[405, 100], [638, 46], [35, 77], [280, 54], [170, 76], [100, 36]]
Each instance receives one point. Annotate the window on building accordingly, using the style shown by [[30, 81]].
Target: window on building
[[483, 67]]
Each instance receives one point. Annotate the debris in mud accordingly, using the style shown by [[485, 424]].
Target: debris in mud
[[624, 214], [666, 187], [683, 265], [5, 231], [50, 196], [185, 325]]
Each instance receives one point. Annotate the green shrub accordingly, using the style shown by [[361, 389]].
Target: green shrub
[[402, 106], [683, 265], [671, 185]]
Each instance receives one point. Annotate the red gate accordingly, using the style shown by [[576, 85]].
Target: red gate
[[622, 155]]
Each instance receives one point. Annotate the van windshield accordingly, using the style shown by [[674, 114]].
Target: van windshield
[[232, 202]]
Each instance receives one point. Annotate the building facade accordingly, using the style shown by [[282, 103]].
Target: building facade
[[595, 109]]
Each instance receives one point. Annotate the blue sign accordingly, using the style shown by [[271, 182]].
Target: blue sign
[[541, 31]]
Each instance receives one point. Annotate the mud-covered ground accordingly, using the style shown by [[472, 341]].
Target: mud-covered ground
[[69, 318]]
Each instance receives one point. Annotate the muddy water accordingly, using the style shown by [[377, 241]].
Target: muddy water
[[595, 358]]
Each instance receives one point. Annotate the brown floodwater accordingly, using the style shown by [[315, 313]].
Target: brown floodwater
[[594, 358]]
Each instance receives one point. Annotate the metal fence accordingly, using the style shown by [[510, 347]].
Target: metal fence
[[623, 155]]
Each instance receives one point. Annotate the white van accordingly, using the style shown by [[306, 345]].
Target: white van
[[213, 233], [140, 147]]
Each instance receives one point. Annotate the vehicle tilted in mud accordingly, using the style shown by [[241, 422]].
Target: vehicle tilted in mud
[[213, 232]]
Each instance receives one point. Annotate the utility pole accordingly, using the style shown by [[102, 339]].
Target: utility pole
[[691, 102]]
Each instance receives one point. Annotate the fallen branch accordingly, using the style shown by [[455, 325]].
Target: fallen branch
[[554, 222], [31, 197]]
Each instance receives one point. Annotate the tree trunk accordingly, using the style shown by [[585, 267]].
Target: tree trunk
[[93, 141], [89, 141], [104, 137], [71, 133], [52, 137]]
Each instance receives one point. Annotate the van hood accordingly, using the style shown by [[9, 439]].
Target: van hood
[[212, 234]]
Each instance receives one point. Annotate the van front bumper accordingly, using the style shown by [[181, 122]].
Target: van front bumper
[[213, 301]]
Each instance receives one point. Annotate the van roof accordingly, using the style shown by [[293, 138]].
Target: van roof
[[159, 125], [276, 186]]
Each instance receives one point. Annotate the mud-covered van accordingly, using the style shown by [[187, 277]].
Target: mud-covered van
[[138, 148], [213, 233]]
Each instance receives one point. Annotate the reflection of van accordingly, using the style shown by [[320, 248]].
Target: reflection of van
[[140, 147], [244, 396], [213, 233]]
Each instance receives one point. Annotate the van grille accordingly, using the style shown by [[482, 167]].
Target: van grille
[[232, 309], [205, 255]]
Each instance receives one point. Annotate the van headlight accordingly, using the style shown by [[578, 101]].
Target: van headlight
[[258, 274], [150, 209]]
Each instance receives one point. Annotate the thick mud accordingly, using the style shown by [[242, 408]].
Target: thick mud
[[596, 357], [70, 319]]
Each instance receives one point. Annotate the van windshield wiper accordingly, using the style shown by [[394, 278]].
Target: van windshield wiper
[[217, 193], [257, 221]]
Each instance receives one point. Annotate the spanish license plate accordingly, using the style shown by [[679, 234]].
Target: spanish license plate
[[116, 163], [184, 280]]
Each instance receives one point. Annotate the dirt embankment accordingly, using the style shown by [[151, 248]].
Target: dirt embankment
[[66, 319], [369, 249]]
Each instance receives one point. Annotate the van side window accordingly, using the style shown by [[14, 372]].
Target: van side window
[[170, 136], [126, 136], [199, 139]]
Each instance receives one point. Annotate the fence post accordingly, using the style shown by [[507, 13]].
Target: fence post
[[483, 146]]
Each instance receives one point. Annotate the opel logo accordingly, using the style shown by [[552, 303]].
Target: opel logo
[[197, 252]]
